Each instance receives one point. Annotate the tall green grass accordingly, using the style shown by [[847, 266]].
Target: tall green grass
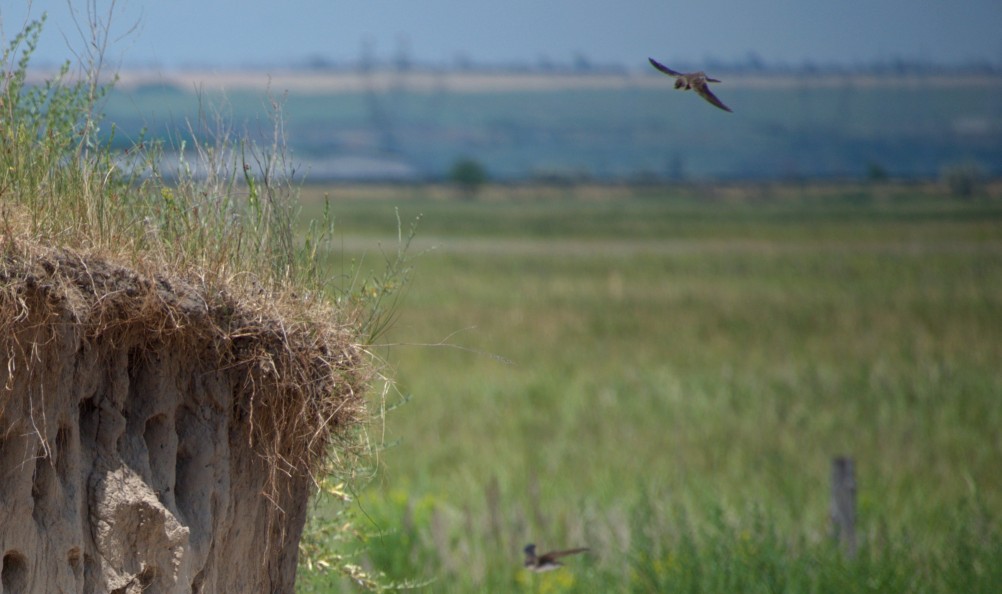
[[665, 378], [224, 212]]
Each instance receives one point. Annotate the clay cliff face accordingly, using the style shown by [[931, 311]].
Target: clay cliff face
[[154, 438]]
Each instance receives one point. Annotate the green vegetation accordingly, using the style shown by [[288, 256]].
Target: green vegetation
[[228, 212], [665, 374], [469, 176], [963, 179]]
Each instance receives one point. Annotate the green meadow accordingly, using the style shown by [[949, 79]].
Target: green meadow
[[665, 374]]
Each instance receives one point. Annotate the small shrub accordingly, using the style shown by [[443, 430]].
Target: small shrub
[[875, 172], [963, 179], [469, 175]]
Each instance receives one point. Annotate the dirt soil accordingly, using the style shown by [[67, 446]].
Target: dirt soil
[[147, 440]]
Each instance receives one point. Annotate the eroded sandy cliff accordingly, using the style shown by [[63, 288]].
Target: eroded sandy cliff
[[155, 436]]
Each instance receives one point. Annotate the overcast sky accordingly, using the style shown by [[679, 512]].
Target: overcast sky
[[172, 33]]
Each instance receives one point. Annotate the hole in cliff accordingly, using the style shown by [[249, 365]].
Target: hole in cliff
[[89, 419], [63, 453], [184, 482], [146, 576], [7, 466], [14, 575], [74, 558], [158, 435], [92, 572], [42, 486], [198, 582], [189, 466]]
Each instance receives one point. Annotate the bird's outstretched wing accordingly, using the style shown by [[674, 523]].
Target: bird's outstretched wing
[[705, 92], [663, 68], [557, 554]]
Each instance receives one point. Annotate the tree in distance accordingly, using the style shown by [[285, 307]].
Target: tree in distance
[[469, 176]]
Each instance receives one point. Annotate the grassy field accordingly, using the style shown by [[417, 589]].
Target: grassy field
[[664, 375]]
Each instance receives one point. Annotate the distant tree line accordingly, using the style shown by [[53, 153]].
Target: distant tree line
[[580, 63]]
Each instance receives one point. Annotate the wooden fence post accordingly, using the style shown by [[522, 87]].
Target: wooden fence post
[[843, 505]]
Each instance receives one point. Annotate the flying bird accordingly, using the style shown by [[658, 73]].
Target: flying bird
[[695, 81], [546, 561]]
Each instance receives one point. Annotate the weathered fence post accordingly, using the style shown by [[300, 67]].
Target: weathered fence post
[[843, 506]]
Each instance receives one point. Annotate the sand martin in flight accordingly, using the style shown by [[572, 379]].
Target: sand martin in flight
[[693, 80], [546, 561]]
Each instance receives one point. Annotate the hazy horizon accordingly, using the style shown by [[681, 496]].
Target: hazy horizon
[[614, 127], [186, 33]]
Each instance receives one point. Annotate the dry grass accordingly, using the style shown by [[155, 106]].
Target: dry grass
[[300, 371]]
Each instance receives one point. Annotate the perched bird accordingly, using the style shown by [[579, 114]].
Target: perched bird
[[546, 561], [695, 81]]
